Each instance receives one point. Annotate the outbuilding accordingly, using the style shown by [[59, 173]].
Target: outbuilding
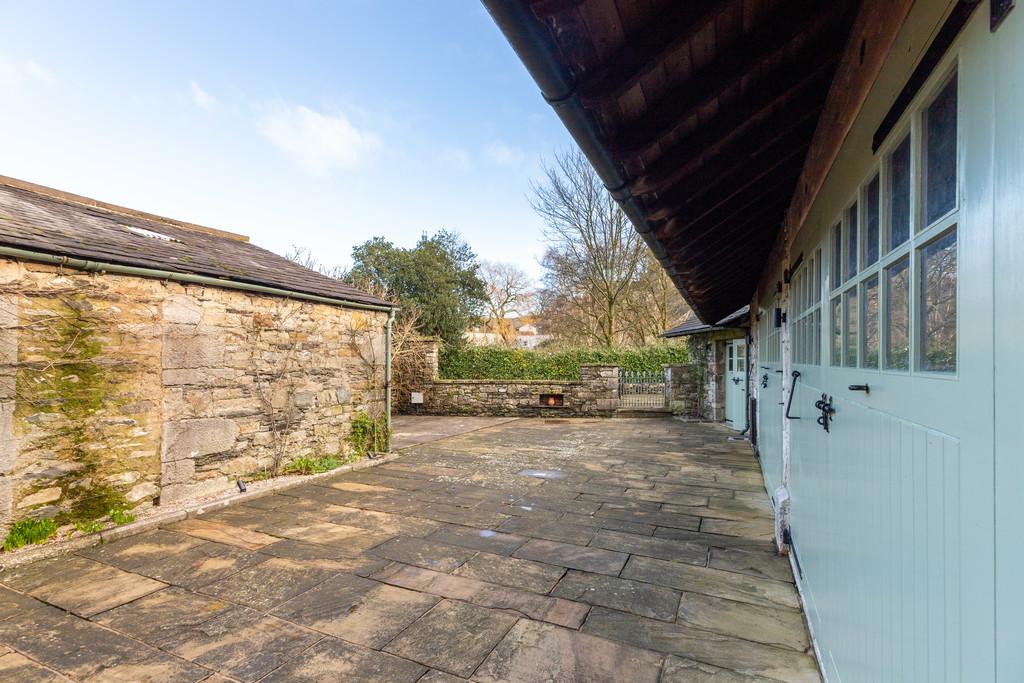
[[145, 360], [720, 353]]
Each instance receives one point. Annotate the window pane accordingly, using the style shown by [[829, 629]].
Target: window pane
[[816, 335], [837, 332], [940, 154], [938, 304], [851, 241], [897, 312], [850, 317], [816, 284], [871, 216], [836, 276], [869, 324], [899, 194]]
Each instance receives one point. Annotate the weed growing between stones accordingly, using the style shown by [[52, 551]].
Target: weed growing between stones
[[120, 516], [29, 531], [311, 465], [89, 527], [368, 434]]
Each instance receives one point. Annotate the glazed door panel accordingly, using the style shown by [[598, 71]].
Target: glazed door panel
[[893, 506], [736, 384]]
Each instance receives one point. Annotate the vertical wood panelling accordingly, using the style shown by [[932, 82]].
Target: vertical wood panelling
[[1008, 190], [876, 525]]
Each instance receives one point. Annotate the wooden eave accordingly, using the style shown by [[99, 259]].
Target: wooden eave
[[709, 109]]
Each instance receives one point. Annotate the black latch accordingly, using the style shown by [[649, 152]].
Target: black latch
[[860, 387], [824, 404], [764, 381], [792, 389]]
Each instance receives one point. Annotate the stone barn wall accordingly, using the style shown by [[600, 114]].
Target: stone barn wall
[[118, 391]]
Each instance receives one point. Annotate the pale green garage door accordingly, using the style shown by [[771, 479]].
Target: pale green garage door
[[893, 504]]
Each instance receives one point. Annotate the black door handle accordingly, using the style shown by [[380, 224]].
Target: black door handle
[[789, 404], [860, 387]]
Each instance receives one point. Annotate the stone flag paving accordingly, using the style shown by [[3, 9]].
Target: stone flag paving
[[530, 550]]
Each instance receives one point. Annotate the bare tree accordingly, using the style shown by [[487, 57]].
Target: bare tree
[[305, 258], [595, 257], [509, 291], [654, 305]]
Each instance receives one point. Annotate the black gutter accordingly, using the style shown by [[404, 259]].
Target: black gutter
[[531, 41]]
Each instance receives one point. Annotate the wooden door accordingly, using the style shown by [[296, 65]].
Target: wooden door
[[736, 384]]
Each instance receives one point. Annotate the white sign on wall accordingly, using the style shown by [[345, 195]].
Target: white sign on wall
[[417, 397]]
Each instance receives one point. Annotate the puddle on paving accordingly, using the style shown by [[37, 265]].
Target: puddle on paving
[[542, 474], [487, 533]]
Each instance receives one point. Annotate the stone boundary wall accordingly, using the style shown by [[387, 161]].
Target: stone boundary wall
[[595, 394], [118, 391]]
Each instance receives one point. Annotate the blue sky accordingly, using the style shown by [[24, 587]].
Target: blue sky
[[319, 124]]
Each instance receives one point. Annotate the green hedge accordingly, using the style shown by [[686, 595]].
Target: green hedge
[[488, 362]]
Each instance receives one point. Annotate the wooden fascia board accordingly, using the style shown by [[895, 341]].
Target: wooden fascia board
[[872, 37]]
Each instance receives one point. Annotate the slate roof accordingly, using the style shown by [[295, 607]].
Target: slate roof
[[41, 219], [694, 326]]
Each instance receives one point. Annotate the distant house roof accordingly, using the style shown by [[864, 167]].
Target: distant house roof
[[41, 219], [694, 326]]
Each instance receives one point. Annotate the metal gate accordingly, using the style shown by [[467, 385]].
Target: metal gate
[[642, 389]]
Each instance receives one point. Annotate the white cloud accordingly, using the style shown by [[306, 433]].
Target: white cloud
[[14, 72], [203, 99], [503, 154], [319, 142]]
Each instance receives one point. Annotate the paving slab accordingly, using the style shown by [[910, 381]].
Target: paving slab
[[323, 557], [430, 555], [80, 585], [661, 548], [761, 529], [711, 648], [18, 668], [539, 653], [268, 584], [478, 539], [769, 565], [573, 556], [141, 550], [540, 607], [679, 670], [243, 644], [510, 571], [193, 567], [768, 625], [714, 582], [435, 676], [549, 529], [648, 600], [356, 609], [80, 649], [336, 660], [382, 522], [164, 617], [453, 637], [223, 533]]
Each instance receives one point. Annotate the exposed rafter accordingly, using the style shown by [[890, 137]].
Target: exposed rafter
[[795, 89], [665, 34], [794, 23], [697, 194]]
